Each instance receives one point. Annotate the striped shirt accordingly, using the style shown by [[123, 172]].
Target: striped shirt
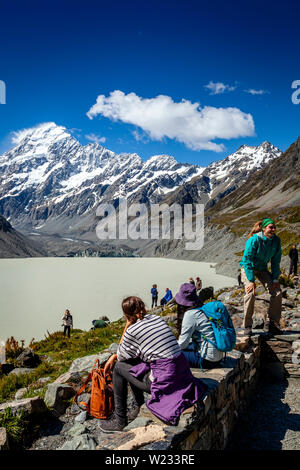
[[149, 339]]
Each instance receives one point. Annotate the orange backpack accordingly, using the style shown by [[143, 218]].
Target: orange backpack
[[102, 397]]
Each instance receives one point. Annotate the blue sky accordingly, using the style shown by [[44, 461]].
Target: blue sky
[[236, 60]]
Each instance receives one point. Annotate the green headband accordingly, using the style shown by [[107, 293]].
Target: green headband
[[266, 222]]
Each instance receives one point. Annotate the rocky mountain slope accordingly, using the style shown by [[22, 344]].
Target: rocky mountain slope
[[14, 245], [273, 191], [52, 184]]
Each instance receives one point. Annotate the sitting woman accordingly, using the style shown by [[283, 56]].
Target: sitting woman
[[150, 360], [194, 325]]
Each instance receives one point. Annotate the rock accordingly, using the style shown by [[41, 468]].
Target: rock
[[43, 380], [296, 357], [258, 321], [20, 393], [82, 417], [77, 430], [83, 442], [113, 348], [20, 371], [138, 422], [68, 377], [143, 436], [28, 359], [55, 396], [32, 406], [296, 345], [4, 445], [86, 363], [224, 296]]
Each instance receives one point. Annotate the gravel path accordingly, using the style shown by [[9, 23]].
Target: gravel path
[[272, 421]]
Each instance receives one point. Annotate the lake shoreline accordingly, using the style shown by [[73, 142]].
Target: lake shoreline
[[36, 291]]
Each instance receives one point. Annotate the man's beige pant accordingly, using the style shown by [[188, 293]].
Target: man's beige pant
[[274, 311]]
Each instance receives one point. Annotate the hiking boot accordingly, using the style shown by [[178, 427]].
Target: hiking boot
[[274, 329], [133, 413], [112, 424], [248, 331]]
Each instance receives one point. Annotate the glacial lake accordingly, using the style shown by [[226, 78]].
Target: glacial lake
[[34, 292]]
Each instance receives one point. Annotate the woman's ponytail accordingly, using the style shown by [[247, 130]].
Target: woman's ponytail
[[257, 228]]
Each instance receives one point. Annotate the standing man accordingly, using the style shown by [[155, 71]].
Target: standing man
[[261, 247], [67, 322], [293, 254]]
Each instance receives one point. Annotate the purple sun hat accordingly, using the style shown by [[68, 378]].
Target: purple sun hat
[[187, 295]]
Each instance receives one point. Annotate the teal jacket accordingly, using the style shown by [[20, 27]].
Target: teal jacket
[[259, 250]]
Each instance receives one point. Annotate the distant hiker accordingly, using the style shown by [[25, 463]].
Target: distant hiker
[[154, 294], [262, 246], [198, 285], [167, 297], [99, 324], [293, 254], [191, 281], [240, 279], [150, 360], [67, 322]]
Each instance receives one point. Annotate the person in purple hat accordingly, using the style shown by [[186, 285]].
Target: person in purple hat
[[193, 326], [186, 298]]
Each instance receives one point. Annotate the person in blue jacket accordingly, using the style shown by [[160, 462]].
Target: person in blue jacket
[[261, 247], [154, 294], [167, 297]]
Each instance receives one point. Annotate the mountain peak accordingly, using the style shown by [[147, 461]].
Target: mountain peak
[[48, 131]]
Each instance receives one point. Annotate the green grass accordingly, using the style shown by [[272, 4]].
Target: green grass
[[15, 425], [57, 353]]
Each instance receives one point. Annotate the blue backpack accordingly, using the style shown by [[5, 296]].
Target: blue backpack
[[222, 325]]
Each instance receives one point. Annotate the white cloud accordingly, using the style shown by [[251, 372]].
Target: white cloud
[[95, 138], [185, 121], [218, 88], [256, 92]]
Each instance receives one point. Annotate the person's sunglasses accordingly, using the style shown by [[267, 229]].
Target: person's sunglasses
[[272, 227]]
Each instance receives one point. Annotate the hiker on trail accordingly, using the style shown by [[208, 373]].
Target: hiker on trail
[[167, 297], [191, 281], [154, 294], [293, 254], [67, 322], [150, 360], [198, 285], [240, 279], [194, 325], [262, 246]]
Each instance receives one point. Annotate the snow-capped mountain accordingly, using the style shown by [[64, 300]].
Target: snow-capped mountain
[[49, 174], [50, 182], [228, 174]]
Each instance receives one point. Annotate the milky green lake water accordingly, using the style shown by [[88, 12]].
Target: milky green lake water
[[34, 292]]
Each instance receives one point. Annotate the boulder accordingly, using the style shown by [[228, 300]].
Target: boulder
[[81, 418], [82, 442], [20, 371], [32, 406], [77, 429], [86, 363], [56, 395], [68, 377], [4, 445], [20, 393], [28, 359], [113, 348]]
